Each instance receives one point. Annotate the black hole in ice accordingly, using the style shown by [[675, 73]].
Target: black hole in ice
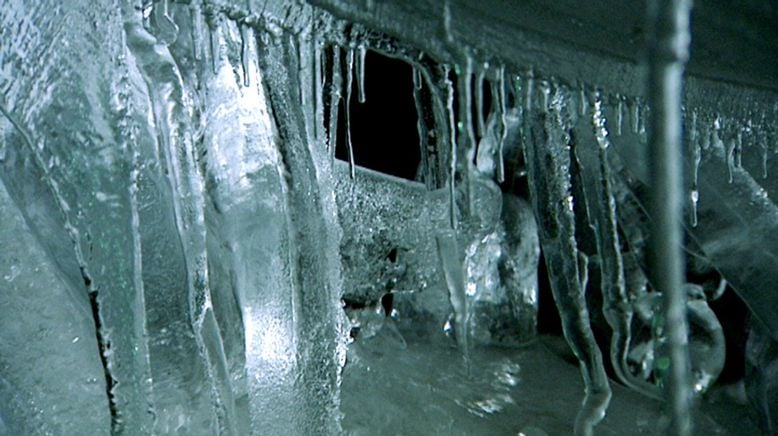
[[104, 347], [387, 301], [383, 129], [392, 256], [549, 321]]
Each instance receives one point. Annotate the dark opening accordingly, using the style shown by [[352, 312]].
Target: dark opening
[[383, 128]]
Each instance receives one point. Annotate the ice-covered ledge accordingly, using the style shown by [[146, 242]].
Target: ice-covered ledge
[[595, 45]]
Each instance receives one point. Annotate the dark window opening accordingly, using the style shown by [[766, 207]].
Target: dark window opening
[[383, 128]]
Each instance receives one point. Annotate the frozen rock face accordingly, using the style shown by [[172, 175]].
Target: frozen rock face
[[179, 241]]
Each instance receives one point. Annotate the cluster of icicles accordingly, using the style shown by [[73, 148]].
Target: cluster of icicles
[[455, 96]]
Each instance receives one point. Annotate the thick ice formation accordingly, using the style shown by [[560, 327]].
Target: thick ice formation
[[179, 239]]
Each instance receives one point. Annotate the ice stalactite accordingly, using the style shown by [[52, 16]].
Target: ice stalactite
[[696, 158], [421, 127], [592, 160], [547, 153], [466, 144], [501, 113], [453, 148], [451, 263], [168, 98], [361, 54], [479, 99], [349, 86], [335, 89], [245, 56]]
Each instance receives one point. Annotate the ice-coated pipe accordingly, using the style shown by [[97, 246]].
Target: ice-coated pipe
[[668, 51]]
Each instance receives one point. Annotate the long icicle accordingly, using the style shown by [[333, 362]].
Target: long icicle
[[349, 80], [668, 54], [547, 155], [479, 101], [421, 126], [503, 123], [453, 147], [465, 124], [336, 87], [361, 54]]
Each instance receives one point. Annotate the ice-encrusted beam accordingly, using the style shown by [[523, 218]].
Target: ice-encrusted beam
[[504, 33]]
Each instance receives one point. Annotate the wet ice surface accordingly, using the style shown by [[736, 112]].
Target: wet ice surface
[[177, 238], [418, 386]]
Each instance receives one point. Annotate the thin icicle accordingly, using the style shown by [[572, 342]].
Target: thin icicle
[[318, 85], [336, 87], [447, 22], [501, 107], [479, 101], [361, 53], [694, 195], [529, 90], [635, 116], [421, 126], [453, 148], [545, 88], [451, 264], [619, 115], [196, 30], [213, 45], [245, 55], [584, 101], [765, 146], [349, 80], [465, 85], [466, 79]]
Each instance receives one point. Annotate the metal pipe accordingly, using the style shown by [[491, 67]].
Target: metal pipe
[[668, 53]]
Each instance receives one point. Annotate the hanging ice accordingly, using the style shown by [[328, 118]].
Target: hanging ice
[[182, 252]]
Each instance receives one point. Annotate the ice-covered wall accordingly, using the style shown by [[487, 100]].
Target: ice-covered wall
[[177, 234]]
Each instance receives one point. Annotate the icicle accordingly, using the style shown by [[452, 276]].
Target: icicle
[[361, 53], [635, 116], [336, 86], [479, 101], [245, 56], [196, 30], [453, 149], [349, 77], [466, 81], [213, 45], [619, 115], [764, 145], [318, 85], [694, 195], [417, 78], [501, 107], [642, 120], [421, 126], [548, 161], [599, 123], [465, 124], [584, 101], [545, 88], [530, 90], [447, 22], [448, 254]]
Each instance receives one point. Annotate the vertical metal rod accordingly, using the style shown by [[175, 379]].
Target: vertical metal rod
[[668, 54]]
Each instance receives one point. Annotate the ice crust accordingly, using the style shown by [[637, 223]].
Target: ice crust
[[182, 253]]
